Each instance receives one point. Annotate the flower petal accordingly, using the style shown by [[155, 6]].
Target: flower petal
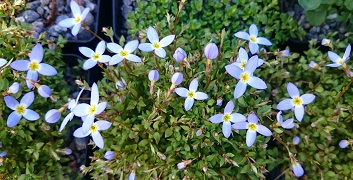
[[104, 58], [288, 124], [13, 119], [347, 52], [114, 47], [101, 107], [299, 113], [167, 40], [292, 90], [279, 117], [194, 84], [89, 64], [87, 123], [146, 47], [94, 94], [84, 14], [152, 35], [285, 104], [31, 115], [253, 31], [44, 91], [250, 138], [98, 139], [11, 102], [131, 46], [133, 58], [27, 99], [229, 107], [183, 92], [2, 62], [20, 65], [103, 125], [263, 130], [75, 29], [200, 96], [240, 125], [115, 59], [81, 110], [86, 51], [79, 133], [297, 169], [218, 118], [252, 118], [47, 70], [189, 102], [75, 8], [251, 65], [160, 52], [100, 47], [334, 65], [307, 98], [333, 56], [239, 89], [242, 35], [264, 41], [236, 117], [37, 53], [226, 129], [234, 70], [253, 47], [69, 22], [257, 83], [31, 75], [66, 120]]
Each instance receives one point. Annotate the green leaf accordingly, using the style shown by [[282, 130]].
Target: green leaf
[[349, 4], [168, 132], [309, 4], [316, 18], [143, 143]]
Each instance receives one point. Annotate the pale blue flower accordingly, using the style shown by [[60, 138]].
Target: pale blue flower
[[288, 124], [284, 53], [14, 88], [109, 155], [296, 101], [227, 118], [179, 54], [123, 53], [211, 51], [67, 151], [94, 56], [296, 140], [72, 104], [243, 59], [52, 116], [20, 109], [153, 75], [2, 62], [314, 65], [245, 77], [88, 111], [44, 90], [156, 45], [3, 154], [297, 169], [132, 176], [253, 38], [177, 78], [325, 42], [33, 66], [252, 126], [343, 143], [191, 94], [219, 102], [76, 21], [337, 60], [94, 132]]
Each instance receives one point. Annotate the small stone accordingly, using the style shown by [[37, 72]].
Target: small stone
[[60, 18], [45, 2], [20, 19], [38, 26], [60, 5], [30, 16], [33, 5], [80, 143], [125, 11], [127, 2], [84, 34], [89, 19], [40, 10], [291, 13], [91, 6], [46, 11]]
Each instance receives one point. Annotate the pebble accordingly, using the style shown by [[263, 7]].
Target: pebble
[[60, 18], [30, 16], [45, 2], [33, 5], [89, 19], [127, 2], [40, 10]]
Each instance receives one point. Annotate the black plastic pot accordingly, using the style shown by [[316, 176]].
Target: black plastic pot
[[117, 18]]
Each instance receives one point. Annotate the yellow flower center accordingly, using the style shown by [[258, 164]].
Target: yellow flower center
[[77, 19], [92, 109], [340, 61], [96, 56], [253, 39], [123, 53], [191, 94], [297, 101], [33, 65], [156, 45], [227, 117], [20, 109], [252, 127], [242, 65], [244, 77], [94, 128]]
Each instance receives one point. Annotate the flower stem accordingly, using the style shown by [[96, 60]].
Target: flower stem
[[343, 91], [84, 25]]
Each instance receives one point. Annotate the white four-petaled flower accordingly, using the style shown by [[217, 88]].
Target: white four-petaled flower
[[227, 118], [252, 126], [296, 101], [254, 41], [88, 111], [76, 21], [288, 124], [245, 77], [243, 59], [123, 53], [94, 132], [156, 45], [20, 109], [337, 60], [191, 94], [94, 56], [33, 66]]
